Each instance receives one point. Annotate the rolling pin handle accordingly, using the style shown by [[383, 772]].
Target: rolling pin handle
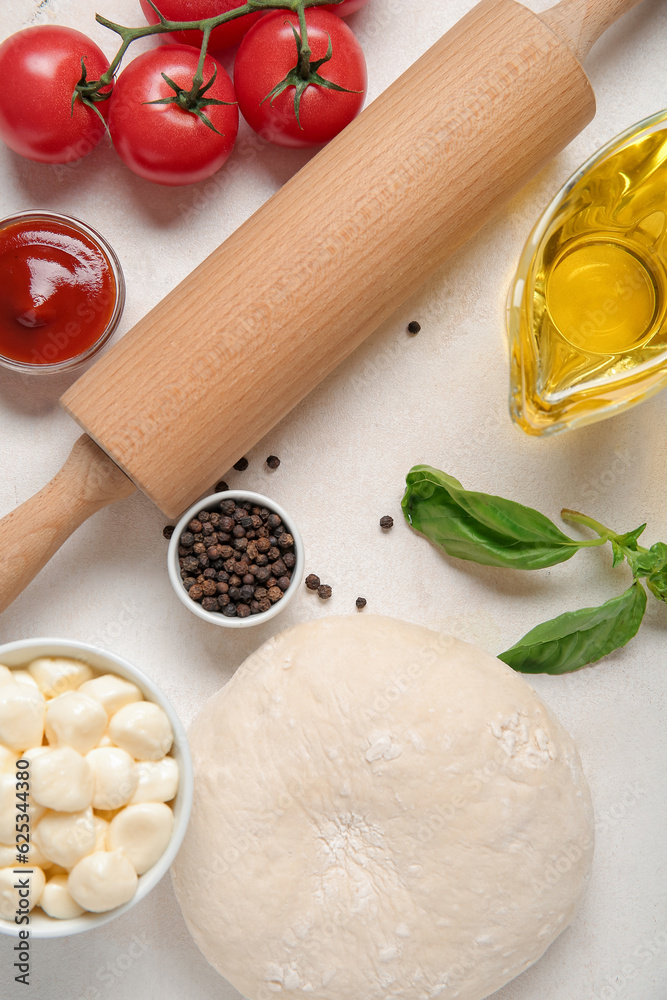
[[32, 533], [581, 22]]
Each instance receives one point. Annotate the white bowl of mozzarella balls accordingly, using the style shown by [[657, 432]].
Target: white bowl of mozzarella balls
[[95, 786]]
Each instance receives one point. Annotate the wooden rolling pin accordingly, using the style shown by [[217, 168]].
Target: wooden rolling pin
[[331, 255]]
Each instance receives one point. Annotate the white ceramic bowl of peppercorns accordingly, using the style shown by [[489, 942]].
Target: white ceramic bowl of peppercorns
[[235, 559]]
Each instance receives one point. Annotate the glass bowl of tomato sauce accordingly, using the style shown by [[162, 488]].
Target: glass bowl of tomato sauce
[[62, 292]]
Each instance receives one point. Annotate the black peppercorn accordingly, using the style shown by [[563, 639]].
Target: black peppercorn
[[242, 611], [275, 594], [386, 522], [264, 604], [168, 530], [210, 604], [196, 593], [284, 582], [227, 507], [191, 564], [255, 608], [222, 576], [221, 487], [203, 560], [234, 594], [249, 580], [188, 582], [199, 548], [209, 574], [229, 610], [223, 600], [239, 531], [290, 560], [414, 327], [226, 523], [222, 588], [360, 602], [203, 516], [285, 541], [273, 521], [247, 593], [240, 544], [273, 554], [324, 592], [194, 526], [312, 582], [208, 529], [241, 465], [262, 560], [187, 539], [273, 461]]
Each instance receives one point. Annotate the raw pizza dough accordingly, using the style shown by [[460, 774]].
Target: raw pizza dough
[[380, 812]]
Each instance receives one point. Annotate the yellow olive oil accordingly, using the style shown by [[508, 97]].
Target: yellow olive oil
[[587, 312]]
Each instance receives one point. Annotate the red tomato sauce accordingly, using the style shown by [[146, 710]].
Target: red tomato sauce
[[57, 291]]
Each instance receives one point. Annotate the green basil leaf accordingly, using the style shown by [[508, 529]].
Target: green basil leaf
[[482, 528], [576, 638]]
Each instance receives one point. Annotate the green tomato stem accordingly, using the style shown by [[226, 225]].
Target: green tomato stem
[[304, 58]]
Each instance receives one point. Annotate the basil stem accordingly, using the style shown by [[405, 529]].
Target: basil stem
[[576, 638]]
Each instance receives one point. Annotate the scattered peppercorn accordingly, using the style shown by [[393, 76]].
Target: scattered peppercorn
[[386, 522], [273, 461], [312, 582], [324, 592], [245, 577], [241, 465], [361, 602], [168, 530], [414, 327], [221, 487]]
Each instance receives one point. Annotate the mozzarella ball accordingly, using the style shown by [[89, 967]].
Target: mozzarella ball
[[101, 827], [19, 893], [142, 833], [102, 881], [34, 752], [62, 780], [112, 692], [57, 674], [8, 760], [22, 710], [115, 777], [65, 838], [74, 720], [142, 729], [5, 675], [56, 900], [8, 812], [23, 677], [157, 780]]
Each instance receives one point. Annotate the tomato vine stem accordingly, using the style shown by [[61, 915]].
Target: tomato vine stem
[[205, 25]]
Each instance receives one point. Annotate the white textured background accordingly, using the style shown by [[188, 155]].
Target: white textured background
[[440, 397]]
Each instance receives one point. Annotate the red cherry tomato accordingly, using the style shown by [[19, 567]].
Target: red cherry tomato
[[195, 10], [39, 69], [268, 53], [345, 8], [163, 142]]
